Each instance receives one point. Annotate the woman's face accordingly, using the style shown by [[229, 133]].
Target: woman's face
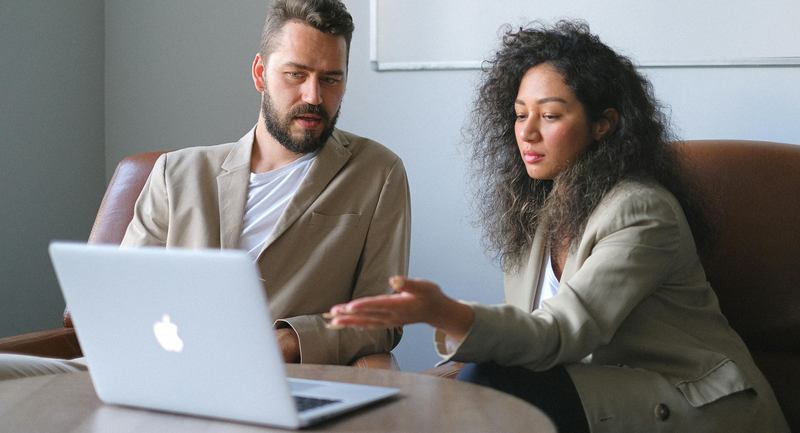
[[551, 127]]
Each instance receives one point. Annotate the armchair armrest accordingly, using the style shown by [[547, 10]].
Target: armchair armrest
[[448, 371], [385, 361], [62, 343], [51, 343]]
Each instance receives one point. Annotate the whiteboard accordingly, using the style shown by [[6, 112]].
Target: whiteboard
[[460, 34]]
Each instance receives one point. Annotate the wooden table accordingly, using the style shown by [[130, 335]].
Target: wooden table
[[67, 403]]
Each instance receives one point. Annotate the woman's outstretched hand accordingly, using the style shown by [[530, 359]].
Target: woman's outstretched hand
[[414, 301]]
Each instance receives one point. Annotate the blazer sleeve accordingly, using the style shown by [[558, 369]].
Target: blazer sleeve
[[151, 212], [632, 242], [384, 254]]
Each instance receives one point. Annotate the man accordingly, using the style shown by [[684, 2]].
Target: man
[[324, 213]]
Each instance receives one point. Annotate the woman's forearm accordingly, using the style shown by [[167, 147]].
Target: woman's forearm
[[454, 319]]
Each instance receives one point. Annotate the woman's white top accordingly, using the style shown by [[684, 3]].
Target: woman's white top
[[548, 287]]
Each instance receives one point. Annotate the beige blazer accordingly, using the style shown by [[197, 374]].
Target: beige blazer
[[342, 235], [636, 324]]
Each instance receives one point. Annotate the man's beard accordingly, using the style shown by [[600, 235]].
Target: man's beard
[[279, 128]]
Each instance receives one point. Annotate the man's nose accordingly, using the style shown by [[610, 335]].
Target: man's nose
[[311, 92]]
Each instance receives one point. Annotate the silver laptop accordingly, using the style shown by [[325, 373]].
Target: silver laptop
[[189, 331]]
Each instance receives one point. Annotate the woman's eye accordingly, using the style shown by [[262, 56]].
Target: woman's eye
[[521, 116], [550, 116]]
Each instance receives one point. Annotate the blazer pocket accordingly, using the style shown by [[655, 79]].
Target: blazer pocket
[[332, 221], [720, 381]]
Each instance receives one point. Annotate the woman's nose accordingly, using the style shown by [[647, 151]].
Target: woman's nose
[[529, 131]]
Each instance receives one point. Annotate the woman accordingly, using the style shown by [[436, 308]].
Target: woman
[[610, 324]]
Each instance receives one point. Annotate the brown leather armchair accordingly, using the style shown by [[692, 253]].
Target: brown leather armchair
[[751, 193], [116, 211]]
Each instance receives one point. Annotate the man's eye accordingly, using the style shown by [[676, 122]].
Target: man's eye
[[294, 75], [331, 81]]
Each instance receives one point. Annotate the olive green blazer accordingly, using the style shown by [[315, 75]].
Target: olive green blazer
[[342, 235]]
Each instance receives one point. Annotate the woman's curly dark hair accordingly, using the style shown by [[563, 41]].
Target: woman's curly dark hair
[[511, 204]]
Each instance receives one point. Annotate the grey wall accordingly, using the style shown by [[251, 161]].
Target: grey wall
[[178, 73], [51, 154]]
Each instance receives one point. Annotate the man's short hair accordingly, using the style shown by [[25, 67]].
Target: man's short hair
[[327, 16]]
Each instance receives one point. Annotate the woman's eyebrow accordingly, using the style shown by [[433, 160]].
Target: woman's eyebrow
[[543, 100]]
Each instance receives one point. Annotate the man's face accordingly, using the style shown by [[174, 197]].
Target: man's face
[[305, 77]]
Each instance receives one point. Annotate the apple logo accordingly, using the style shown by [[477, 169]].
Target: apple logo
[[167, 335]]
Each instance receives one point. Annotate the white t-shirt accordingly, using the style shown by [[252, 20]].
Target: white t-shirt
[[267, 197]]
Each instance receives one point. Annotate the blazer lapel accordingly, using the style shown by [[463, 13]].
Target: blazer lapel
[[521, 287], [232, 186], [329, 161]]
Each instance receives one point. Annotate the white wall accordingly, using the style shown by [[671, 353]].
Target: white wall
[[735, 103], [51, 150]]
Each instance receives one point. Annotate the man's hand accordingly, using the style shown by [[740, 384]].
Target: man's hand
[[290, 344]]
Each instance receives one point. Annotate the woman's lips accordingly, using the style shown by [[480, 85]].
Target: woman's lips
[[531, 157]]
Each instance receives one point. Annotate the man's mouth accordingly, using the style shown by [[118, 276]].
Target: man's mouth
[[308, 121]]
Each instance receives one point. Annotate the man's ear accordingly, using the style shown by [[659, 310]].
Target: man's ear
[[258, 74], [606, 124]]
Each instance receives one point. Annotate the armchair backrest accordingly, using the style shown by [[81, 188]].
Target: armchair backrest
[[750, 192], [116, 208]]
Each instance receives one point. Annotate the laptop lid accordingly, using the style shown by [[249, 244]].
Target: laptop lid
[[181, 330]]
